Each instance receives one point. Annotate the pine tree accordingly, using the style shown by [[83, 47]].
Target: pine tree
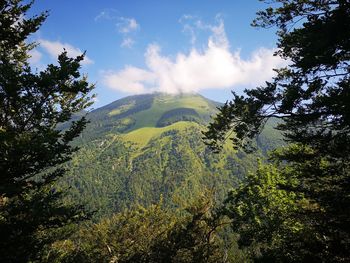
[[32, 146], [311, 97]]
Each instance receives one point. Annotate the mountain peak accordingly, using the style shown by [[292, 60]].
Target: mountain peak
[[151, 110]]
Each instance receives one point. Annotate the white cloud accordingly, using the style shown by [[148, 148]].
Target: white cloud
[[216, 67], [108, 14], [127, 25], [54, 48], [188, 27], [193, 25], [35, 56], [35, 59], [127, 42], [129, 80]]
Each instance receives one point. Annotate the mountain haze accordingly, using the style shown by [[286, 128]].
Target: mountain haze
[[139, 148]]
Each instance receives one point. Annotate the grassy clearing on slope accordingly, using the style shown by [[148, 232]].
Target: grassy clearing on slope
[[150, 117], [143, 135], [122, 109]]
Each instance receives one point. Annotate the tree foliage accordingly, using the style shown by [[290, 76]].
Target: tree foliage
[[267, 216], [32, 105], [311, 96], [152, 234]]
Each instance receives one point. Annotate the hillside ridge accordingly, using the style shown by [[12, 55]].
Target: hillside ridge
[[142, 147]]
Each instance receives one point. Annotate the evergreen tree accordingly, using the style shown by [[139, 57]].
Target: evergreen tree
[[311, 96], [32, 147]]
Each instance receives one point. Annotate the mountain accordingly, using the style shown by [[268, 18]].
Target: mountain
[[142, 147], [150, 110]]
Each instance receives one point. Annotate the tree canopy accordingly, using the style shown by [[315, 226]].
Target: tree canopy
[[32, 106], [311, 98]]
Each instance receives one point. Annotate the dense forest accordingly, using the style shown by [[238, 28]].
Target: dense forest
[[116, 168], [179, 178]]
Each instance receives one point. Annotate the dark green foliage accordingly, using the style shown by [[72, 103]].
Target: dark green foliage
[[263, 214], [312, 97], [179, 114], [277, 221], [32, 148], [110, 174], [153, 234]]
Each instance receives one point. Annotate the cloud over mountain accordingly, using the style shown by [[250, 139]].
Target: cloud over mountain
[[215, 67]]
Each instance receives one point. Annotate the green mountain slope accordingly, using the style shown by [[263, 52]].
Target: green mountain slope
[[142, 147], [150, 110]]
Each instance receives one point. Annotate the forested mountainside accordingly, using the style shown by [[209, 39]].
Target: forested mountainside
[[142, 147]]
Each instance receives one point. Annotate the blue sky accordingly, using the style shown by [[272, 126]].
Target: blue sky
[[172, 46]]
